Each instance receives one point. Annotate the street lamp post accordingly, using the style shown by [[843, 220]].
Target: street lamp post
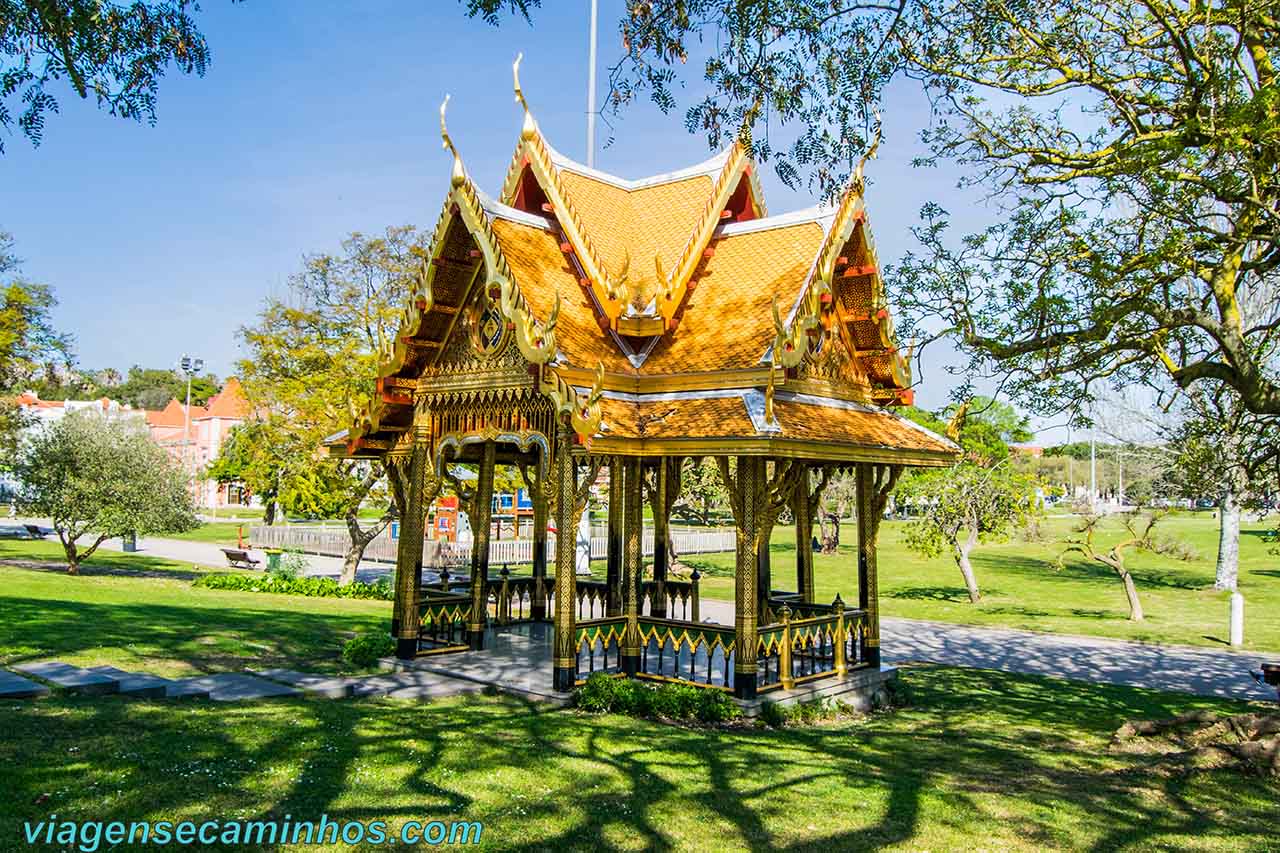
[[190, 366]]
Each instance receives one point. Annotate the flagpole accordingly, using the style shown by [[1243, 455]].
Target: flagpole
[[591, 91]]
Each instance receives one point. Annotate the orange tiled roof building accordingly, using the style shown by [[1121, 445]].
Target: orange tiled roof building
[[580, 320], [206, 431]]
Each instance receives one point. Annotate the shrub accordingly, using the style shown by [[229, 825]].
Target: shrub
[[715, 706], [290, 566], [363, 650], [680, 702], [308, 586], [773, 715], [598, 694]]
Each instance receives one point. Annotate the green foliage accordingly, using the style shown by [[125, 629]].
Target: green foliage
[[364, 650], [153, 388], [988, 502], [111, 51], [292, 564], [773, 715], [311, 358], [92, 475], [312, 587], [668, 701], [702, 494]]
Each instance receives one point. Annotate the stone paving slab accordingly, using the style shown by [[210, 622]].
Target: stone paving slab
[[184, 689], [14, 686], [235, 686], [415, 685], [70, 677], [323, 686], [140, 684]]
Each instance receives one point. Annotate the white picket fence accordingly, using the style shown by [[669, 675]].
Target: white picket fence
[[333, 541]]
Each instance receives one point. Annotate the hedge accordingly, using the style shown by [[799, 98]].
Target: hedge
[[308, 586]]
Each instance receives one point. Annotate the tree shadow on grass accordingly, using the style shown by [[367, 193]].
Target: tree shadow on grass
[[976, 754], [1075, 569], [954, 594], [136, 569], [207, 639]]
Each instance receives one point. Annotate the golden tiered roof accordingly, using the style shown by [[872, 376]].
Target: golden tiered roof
[[664, 315]]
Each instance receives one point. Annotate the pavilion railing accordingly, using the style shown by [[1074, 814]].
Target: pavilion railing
[[681, 598], [599, 642], [510, 598], [442, 622], [793, 651], [697, 653], [593, 599]]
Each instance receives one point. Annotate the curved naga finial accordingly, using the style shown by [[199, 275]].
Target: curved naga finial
[[791, 345], [586, 415], [529, 128], [536, 341], [459, 175], [858, 181]]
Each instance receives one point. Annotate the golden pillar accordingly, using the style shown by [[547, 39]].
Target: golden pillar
[[613, 563], [414, 473], [747, 482], [632, 564], [868, 584], [564, 645], [802, 510], [482, 509]]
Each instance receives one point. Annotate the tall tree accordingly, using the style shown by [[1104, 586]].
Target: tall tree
[[965, 505], [99, 477], [312, 356], [110, 51]]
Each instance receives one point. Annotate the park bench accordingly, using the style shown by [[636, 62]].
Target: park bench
[[34, 531], [240, 559]]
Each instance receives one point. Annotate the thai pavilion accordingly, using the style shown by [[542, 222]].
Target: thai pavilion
[[581, 322]]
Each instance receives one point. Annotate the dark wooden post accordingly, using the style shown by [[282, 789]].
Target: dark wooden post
[[661, 531], [482, 509], [632, 564], [745, 589], [613, 563], [802, 509], [538, 608], [868, 587], [405, 621], [565, 647]]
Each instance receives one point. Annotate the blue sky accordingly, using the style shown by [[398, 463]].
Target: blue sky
[[316, 119]]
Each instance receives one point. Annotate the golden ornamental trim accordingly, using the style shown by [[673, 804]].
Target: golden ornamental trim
[[584, 413]]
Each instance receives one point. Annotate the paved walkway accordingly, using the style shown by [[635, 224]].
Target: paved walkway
[[1184, 669]]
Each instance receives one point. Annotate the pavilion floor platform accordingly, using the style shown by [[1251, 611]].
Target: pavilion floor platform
[[863, 689], [516, 660]]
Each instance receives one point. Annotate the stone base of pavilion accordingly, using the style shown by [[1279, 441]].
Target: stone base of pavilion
[[517, 660]]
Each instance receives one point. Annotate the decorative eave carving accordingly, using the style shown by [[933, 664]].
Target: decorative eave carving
[[584, 412]]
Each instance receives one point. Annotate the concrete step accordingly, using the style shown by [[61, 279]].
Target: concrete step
[[325, 687], [235, 686], [71, 678], [141, 684], [13, 686]]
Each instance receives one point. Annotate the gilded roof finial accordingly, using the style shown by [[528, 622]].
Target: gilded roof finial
[[459, 174], [769, 418], [858, 182], [529, 128]]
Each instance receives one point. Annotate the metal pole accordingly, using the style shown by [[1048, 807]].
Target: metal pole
[[591, 91]]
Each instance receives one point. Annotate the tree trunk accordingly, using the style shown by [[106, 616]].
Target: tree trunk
[[963, 547], [269, 513], [1228, 568], [360, 539], [73, 558], [1131, 592]]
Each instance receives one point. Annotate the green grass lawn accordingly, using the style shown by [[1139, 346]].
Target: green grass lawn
[[979, 760], [139, 612], [218, 532], [1023, 588]]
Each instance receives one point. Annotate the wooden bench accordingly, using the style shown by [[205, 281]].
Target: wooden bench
[[240, 559]]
